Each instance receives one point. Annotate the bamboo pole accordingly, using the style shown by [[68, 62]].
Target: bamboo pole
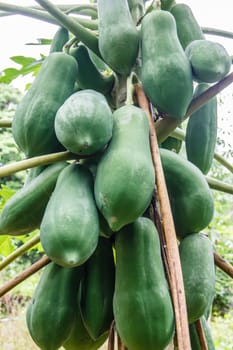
[[223, 264], [24, 275], [175, 272]]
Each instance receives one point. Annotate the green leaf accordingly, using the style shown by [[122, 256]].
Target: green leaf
[[6, 245], [9, 74], [41, 41], [6, 192], [22, 60]]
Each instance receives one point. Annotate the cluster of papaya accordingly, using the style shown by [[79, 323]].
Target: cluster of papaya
[[93, 213]]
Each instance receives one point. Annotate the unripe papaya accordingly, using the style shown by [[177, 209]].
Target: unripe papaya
[[83, 124], [196, 249], [97, 289], [33, 122], [190, 197], [187, 26], [70, 228], [201, 132], [24, 211], [142, 304], [125, 178], [166, 72], [118, 35], [59, 40], [50, 315]]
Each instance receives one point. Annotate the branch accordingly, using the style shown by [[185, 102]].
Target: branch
[[5, 123], [219, 32], [9, 169], [24, 275], [175, 272], [219, 185], [165, 126], [223, 264], [43, 16], [83, 34], [201, 335], [19, 251]]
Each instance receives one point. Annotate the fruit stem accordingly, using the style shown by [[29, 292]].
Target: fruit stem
[[20, 251], [219, 32], [219, 185]]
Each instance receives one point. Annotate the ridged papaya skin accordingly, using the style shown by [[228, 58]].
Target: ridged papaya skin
[[201, 132], [190, 197], [33, 122], [89, 77], [196, 249], [24, 211], [69, 230], [60, 38], [50, 315], [166, 73], [125, 178], [97, 289], [187, 26], [210, 60], [118, 35], [194, 338], [142, 305], [83, 124]]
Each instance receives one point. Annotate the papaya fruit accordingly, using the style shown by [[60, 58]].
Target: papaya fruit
[[142, 304], [190, 197], [167, 4], [115, 22], [33, 122], [79, 338], [69, 229], [209, 60], [137, 9], [194, 338], [97, 289], [125, 178], [196, 250], [50, 315], [166, 73], [89, 77], [60, 38], [84, 122], [188, 28], [24, 211], [201, 132]]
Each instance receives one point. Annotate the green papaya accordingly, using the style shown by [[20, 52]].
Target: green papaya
[[50, 315], [118, 35], [187, 25], [84, 122], [69, 230], [167, 4], [125, 178], [201, 132], [194, 338], [166, 72], [33, 122], [142, 304], [137, 9], [60, 38], [89, 77], [196, 249], [190, 197], [97, 289], [79, 338], [209, 60], [24, 211], [33, 173]]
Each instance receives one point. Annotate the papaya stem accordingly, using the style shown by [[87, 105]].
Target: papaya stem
[[174, 265], [223, 264], [180, 135], [201, 335], [28, 163], [219, 32], [41, 15], [19, 251], [82, 33], [165, 126], [219, 185], [5, 123], [129, 89], [24, 275]]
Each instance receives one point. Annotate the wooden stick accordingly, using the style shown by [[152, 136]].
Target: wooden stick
[[223, 264], [201, 335], [111, 337], [24, 275], [176, 278]]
